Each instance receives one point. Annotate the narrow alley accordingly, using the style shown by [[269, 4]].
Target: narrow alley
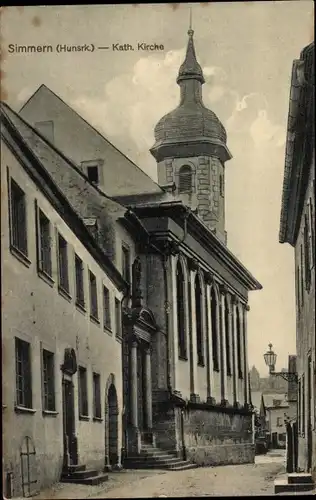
[[231, 480]]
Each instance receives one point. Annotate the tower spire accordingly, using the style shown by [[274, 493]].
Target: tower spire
[[190, 68], [190, 24]]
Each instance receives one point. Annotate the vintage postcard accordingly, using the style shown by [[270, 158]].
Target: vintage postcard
[[158, 250]]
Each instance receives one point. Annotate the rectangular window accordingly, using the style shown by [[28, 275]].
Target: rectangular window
[[79, 281], [302, 276], [93, 296], [311, 242], [299, 406], [93, 174], [298, 285], [23, 373], [44, 243], [18, 226], [126, 263], [48, 381], [63, 274], [106, 308], [279, 421], [96, 396], [118, 320], [307, 254], [83, 392], [303, 407]]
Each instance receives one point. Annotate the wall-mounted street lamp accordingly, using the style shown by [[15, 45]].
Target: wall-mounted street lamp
[[270, 360]]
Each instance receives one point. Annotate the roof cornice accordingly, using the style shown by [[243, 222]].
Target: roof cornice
[[204, 235]]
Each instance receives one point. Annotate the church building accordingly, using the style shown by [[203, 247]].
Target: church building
[[179, 357]]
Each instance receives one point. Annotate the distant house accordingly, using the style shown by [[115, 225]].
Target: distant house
[[276, 408]]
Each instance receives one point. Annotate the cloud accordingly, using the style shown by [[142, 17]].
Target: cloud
[[132, 103], [263, 131], [250, 117]]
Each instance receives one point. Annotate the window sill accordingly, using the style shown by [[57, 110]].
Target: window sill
[[20, 256], [107, 330], [119, 339], [4, 407], [183, 357], [97, 419], [46, 277], [49, 413], [64, 293], [23, 409], [216, 369], [81, 307], [85, 418], [201, 364], [94, 319]]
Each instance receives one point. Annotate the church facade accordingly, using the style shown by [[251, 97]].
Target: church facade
[[183, 349]]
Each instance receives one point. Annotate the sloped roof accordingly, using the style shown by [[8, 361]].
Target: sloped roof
[[269, 399], [136, 179]]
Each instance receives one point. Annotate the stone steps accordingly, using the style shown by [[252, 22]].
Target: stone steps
[[151, 457], [79, 474], [294, 483], [90, 481]]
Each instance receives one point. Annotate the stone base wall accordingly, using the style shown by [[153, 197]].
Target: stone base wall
[[222, 454], [165, 427], [216, 437]]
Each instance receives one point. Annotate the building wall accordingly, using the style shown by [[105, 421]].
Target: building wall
[[305, 333], [33, 310], [208, 191], [216, 437], [80, 142], [276, 418]]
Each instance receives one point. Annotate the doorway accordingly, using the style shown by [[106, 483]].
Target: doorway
[[70, 441], [113, 425], [309, 414]]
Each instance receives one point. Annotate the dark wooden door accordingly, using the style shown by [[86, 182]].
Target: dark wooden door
[[70, 441], [309, 415]]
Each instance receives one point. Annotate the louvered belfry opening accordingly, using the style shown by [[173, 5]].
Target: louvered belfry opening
[[185, 179]]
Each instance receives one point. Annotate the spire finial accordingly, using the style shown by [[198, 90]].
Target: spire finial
[[190, 31]]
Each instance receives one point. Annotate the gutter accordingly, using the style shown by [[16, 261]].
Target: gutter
[[295, 91]]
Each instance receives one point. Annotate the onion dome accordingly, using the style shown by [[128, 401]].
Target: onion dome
[[191, 129]]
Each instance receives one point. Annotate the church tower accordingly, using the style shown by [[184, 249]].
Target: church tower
[[190, 148]]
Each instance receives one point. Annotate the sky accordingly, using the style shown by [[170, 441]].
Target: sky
[[246, 50]]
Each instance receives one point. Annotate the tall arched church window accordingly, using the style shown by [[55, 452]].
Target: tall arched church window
[[185, 179], [214, 321], [199, 320], [227, 339], [181, 312], [239, 340], [307, 254]]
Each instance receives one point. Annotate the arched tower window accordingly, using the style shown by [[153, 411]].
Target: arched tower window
[[199, 320], [214, 315], [227, 339], [181, 312], [185, 179], [239, 340]]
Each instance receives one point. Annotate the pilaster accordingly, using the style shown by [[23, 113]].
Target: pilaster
[[193, 267], [235, 303], [246, 309], [223, 293], [209, 346]]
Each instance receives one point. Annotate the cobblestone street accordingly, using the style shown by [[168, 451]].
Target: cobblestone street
[[230, 480]]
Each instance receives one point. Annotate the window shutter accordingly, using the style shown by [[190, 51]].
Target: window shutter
[[185, 179]]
